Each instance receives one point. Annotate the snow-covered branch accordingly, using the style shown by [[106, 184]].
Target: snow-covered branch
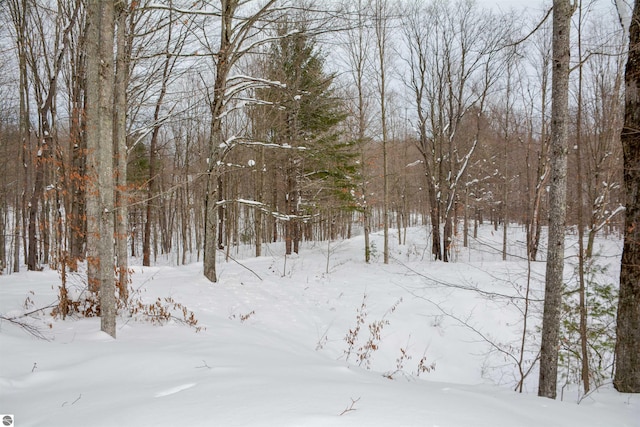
[[609, 217], [265, 209], [237, 140]]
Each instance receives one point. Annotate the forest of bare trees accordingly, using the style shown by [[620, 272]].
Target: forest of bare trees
[[184, 129]]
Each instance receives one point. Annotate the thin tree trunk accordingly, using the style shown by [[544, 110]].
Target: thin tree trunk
[[290, 209], [534, 226], [4, 203], [18, 10], [562, 11], [259, 195], [153, 164], [274, 207], [221, 212], [120, 141], [217, 106], [505, 190], [16, 237], [78, 148], [381, 39], [584, 360]]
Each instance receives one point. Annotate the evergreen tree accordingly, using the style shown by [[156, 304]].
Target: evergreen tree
[[320, 168]]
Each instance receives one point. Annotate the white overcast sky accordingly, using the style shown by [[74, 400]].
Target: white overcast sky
[[505, 5], [536, 7]]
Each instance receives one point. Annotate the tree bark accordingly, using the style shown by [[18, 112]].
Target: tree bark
[[562, 11], [100, 84], [78, 149], [217, 106], [120, 141], [627, 369], [582, 293], [381, 27], [537, 184]]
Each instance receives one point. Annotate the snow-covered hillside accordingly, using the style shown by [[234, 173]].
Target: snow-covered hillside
[[437, 345]]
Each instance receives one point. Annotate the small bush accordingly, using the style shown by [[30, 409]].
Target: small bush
[[363, 352]]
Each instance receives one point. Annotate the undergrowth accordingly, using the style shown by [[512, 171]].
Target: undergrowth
[[362, 349], [76, 300]]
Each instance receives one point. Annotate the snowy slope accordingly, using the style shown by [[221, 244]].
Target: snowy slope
[[274, 351]]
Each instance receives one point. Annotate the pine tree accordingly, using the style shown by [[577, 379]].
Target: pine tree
[[320, 170]]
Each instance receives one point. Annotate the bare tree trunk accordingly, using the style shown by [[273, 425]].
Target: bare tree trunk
[[358, 58], [186, 204], [584, 360], [217, 105], [627, 369], [381, 18], [505, 153], [259, 196], [100, 86], [120, 141], [16, 241], [274, 206], [539, 188], [562, 11], [290, 208], [153, 163], [221, 212], [78, 148], [18, 12]]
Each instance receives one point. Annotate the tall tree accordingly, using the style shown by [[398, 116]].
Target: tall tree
[[453, 53], [76, 168], [123, 42], [358, 56], [18, 10], [99, 129], [627, 372], [381, 18], [562, 12], [307, 118], [167, 63], [537, 153], [584, 359], [418, 32], [42, 57], [237, 38]]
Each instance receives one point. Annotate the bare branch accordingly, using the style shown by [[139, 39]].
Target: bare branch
[[350, 407]]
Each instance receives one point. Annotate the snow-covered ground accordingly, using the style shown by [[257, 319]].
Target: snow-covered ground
[[437, 345]]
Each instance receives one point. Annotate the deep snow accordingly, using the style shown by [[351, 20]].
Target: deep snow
[[274, 351]]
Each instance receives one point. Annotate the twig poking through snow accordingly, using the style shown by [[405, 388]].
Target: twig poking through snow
[[204, 366], [74, 402], [350, 407]]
